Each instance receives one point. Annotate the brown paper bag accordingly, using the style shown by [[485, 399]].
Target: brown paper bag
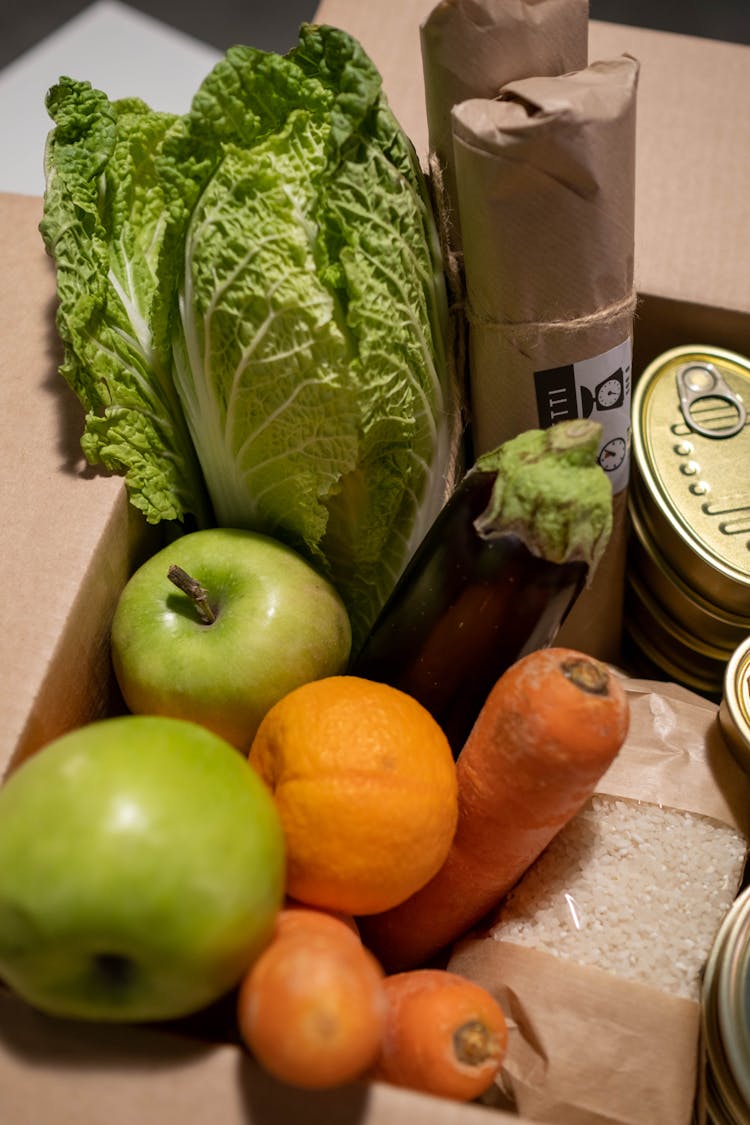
[[545, 180], [601, 1034]]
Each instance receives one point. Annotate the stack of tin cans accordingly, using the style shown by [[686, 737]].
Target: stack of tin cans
[[688, 613], [688, 582]]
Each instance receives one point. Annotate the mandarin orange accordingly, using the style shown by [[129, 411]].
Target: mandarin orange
[[365, 784]]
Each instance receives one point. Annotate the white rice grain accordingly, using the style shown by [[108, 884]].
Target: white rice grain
[[633, 888]]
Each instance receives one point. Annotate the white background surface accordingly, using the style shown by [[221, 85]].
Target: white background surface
[[118, 50]]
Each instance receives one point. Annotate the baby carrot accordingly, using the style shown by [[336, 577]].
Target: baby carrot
[[444, 1035], [311, 1007], [548, 730]]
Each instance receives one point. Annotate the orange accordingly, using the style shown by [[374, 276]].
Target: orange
[[365, 784]]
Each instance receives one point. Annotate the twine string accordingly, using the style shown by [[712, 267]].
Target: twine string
[[600, 318]]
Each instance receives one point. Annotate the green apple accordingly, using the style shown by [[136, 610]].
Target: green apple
[[250, 621], [141, 870]]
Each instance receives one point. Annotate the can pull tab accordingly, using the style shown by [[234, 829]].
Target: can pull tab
[[708, 404]]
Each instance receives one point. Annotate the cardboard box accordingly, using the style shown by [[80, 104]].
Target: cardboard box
[[53, 1072], [70, 538]]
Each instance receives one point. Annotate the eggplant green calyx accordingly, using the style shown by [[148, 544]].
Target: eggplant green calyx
[[550, 492]]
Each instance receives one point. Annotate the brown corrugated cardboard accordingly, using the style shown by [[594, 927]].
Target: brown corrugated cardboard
[[56, 1072], [70, 538], [692, 260]]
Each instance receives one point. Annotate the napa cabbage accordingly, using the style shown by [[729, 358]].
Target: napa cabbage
[[252, 306]]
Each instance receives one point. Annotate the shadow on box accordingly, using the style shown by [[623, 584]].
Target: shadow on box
[[127, 1052]]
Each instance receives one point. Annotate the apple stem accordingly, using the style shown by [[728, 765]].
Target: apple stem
[[197, 593]]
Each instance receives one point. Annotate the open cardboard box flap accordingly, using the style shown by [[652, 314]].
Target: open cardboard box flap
[[55, 1072], [70, 539]]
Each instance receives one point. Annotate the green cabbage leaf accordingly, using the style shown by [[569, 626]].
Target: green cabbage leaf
[[252, 306], [107, 227]]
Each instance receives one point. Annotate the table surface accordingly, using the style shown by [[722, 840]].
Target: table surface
[[161, 50]]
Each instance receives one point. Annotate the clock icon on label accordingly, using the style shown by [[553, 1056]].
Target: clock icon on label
[[612, 454], [609, 393]]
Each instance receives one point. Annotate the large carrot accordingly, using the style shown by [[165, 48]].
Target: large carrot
[[548, 730]]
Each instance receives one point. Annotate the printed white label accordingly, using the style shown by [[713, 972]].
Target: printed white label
[[597, 388]]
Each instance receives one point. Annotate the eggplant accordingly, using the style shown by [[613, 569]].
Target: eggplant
[[495, 575]]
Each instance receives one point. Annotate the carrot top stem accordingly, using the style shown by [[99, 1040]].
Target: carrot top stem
[[588, 675], [474, 1043]]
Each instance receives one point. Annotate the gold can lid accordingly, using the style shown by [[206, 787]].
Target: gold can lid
[[687, 608], [734, 709], [691, 458]]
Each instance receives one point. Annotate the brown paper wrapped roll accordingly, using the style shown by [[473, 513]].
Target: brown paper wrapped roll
[[471, 48], [545, 179], [546, 185]]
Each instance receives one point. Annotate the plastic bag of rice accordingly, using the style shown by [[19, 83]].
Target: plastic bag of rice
[[597, 953]]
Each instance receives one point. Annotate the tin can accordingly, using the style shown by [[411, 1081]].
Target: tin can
[[699, 617], [682, 656], [734, 709], [724, 1090], [688, 582]]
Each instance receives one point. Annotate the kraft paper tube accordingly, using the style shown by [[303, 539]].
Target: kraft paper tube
[[545, 179], [471, 48]]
